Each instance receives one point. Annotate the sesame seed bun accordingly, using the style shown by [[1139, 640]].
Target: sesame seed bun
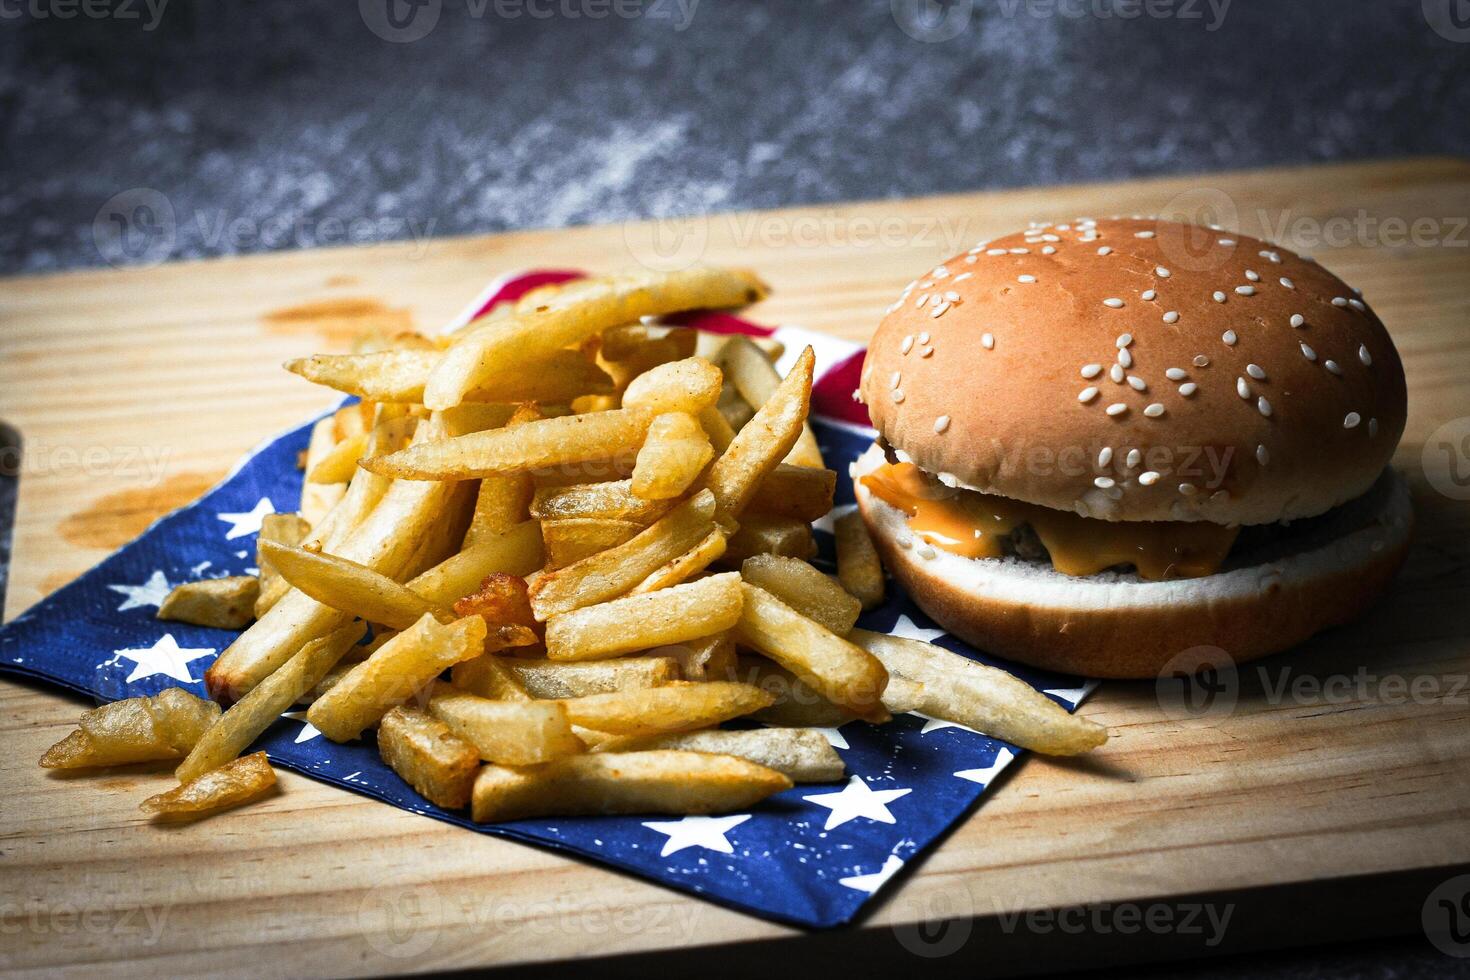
[[1119, 626], [1137, 370]]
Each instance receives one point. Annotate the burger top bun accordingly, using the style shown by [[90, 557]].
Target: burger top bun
[[1139, 370]]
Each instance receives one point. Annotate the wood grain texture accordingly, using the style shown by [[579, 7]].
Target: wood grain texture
[[135, 389]]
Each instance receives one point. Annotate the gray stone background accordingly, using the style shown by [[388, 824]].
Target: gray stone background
[[249, 126]]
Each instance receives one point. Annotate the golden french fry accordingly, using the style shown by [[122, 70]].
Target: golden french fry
[[516, 552], [570, 539], [798, 706], [686, 566], [716, 428], [803, 588], [541, 444], [755, 377], [843, 673], [858, 566], [642, 349], [399, 376], [613, 500], [762, 442], [365, 489], [317, 499], [394, 673], [678, 706], [232, 732], [338, 465], [514, 733], [690, 386], [349, 420], [802, 754], [561, 679], [490, 677], [287, 529], [733, 409], [352, 588], [502, 502], [988, 700], [708, 658], [674, 453], [488, 353], [672, 615], [234, 783], [224, 603], [502, 600], [439, 765], [624, 782], [164, 726], [762, 535], [611, 573], [801, 493]]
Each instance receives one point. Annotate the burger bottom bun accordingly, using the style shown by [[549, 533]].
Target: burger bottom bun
[[1120, 626]]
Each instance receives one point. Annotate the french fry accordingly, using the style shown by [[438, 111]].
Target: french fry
[[686, 566], [638, 622], [708, 658], [516, 552], [763, 441], [148, 729], [502, 600], [289, 530], [394, 673], [502, 502], [844, 674], [641, 349], [542, 444], [561, 679], [716, 428], [755, 377], [625, 782], [514, 733], [399, 376], [804, 589], [489, 676], [234, 783], [690, 386], [674, 453], [613, 572], [732, 408], [803, 754], [762, 535], [613, 500], [801, 493], [232, 732], [679, 706], [439, 765], [339, 463], [498, 348], [858, 567], [988, 700], [352, 588], [798, 706], [570, 539], [351, 420], [224, 603], [317, 500]]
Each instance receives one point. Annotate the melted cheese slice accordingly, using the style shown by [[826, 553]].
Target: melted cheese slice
[[973, 525]]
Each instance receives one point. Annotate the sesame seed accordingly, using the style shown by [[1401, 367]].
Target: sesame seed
[[1243, 388], [1154, 410], [1230, 337], [1263, 406], [952, 296], [907, 345], [1227, 242], [1116, 373], [1104, 250], [1372, 427], [1143, 234], [1308, 353], [925, 552], [1116, 409], [1026, 279], [939, 272], [1051, 238], [939, 311], [1364, 356], [941, 423], [1104, 482], [1246, 290], [1219, 496], [1090, 371], [898, 396], [995, 251], [1263, 456], [1298, 321], [926, 352], [1105, 456], [1113, 303], [1048, 250], [1332, 366], [1255, 371], [1125, 359], [1020, 251], [1134, 458], [1339, 301], [1219, 296], [937, 300], [1137, 383], [1188, 388], [1358, 305], [1171, 317], [1124, 339], [1176, 374], [1148, 479], [924, 337], [896, 380], [970, 259], [1201, 360], [1149, 295], [1287, 283], [1087, 395], [1252, 275], [963, 276], [987, 341], [1188, 489], [1162, 272], [1351, 420]]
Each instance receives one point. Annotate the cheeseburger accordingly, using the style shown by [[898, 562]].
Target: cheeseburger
[[1105, 443]]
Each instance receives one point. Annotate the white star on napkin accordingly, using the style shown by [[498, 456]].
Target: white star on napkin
[[164, 657], [1072, 695], [248, 522], [932, 724], [870, 883], [907, 627], [984, 775], [857, 799], [706, 832], [150, 593], [308, 730]]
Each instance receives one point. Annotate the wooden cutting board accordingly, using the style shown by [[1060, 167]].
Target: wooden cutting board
[[1308, 817]]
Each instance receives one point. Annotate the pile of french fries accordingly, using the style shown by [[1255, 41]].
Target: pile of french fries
[[547, 558]]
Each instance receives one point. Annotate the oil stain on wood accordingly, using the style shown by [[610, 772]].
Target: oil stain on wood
[[114, 519], [340, 321]]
